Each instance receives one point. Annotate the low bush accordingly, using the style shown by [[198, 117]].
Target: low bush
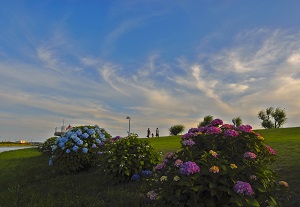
[[46, 147], [176, 129], [78, 149], [129, 158], [218, 165]]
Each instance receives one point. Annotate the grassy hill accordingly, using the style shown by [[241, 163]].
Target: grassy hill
[[26, 180]]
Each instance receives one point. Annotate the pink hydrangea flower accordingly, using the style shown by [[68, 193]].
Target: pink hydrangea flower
[[245, 128], [178, 162], [213, 153], [250, 155], [160, 166], [273, 152], [216, 122]]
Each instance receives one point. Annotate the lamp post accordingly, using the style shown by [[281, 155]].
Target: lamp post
[[128, 117]]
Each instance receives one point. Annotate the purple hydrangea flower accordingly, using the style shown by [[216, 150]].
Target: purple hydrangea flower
[[213, 130], [188, 142], [135, 177], [170, 155], [193, 130], [178, 162], [243, 188], [227, 126], [250, 155], [188, 168], [245, 128], [231, 133], [216, 122], [202, 129], [189, 135]]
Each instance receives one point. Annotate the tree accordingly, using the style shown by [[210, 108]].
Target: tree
[[237, 121], [206, 120], [272, 118], [176, 129]]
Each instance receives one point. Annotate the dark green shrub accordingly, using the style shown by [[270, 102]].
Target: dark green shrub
[[78, 149], [126, 158], [176, 129], [218, 165], [46, 146]]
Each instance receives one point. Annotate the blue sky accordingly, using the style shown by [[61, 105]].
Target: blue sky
[[160, 62]]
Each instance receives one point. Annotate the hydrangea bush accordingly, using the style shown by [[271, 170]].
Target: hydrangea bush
[[78, 149], [218, 165], [129, 158]]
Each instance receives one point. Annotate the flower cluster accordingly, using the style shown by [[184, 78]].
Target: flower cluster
[[233, 166], [231, 133], [216, 122], [135, 177], [213, 130], [152, 195], [188, 142], [250, 155], [283, 183], [273, 152], [214, 169], [178, 162], [84, 142], [243, 188], [188, 168], [245, 128], [213, 153]]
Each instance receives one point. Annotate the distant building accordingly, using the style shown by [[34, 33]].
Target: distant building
[[63, 129]]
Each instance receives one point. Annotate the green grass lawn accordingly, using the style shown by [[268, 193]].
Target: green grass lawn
[[26, 180]]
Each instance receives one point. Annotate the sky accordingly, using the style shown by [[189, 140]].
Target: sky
[[162, 63]]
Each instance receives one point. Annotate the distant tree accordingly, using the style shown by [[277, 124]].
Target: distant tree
[[272, 118], [176, 129], [206, 120], [237, 121]]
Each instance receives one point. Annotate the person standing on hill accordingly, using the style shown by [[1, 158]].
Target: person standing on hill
[[148, 132], [157, 132]]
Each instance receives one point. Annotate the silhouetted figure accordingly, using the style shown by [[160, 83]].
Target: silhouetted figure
[[152, 135], [157, 132], [148, 132]]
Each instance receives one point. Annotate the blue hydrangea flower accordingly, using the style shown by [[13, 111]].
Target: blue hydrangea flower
[[85, 135], [50, 162], [85, 150], [94, 146], [61, 144], [68, 151], [135, 177], [146, 173], [79, 132], [91, 131], [102, 136], [75, 148], [98, 141], [73, 136], [85, 128]]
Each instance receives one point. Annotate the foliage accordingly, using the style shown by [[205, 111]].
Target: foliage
[[126, 157], [176, 129], [46, 146], [272, 118], [218, 165], [237, 121], [206, 120], [78, 149]]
